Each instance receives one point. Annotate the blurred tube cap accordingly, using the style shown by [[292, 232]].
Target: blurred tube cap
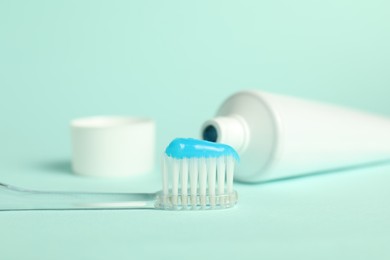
[[112, 146]]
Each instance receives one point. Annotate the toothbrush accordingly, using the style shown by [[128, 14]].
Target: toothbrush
[[196, 175]]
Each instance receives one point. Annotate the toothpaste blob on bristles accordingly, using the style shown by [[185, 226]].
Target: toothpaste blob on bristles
[[198, 174], [181, 148]]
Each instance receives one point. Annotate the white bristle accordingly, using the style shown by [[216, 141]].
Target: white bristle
[[221, 177], [193, 180], [175, 181], [229, 173], [198, 182], [184, 182], [202, 181], [212, 173]]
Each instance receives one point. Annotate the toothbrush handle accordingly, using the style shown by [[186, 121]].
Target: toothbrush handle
[[13, 198]]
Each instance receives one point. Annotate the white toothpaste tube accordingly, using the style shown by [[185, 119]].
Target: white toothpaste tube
[[280, 137]]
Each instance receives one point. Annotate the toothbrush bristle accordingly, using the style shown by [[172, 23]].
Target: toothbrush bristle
[[198, 183]]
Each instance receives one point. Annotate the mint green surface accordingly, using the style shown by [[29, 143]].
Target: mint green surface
[[176, 61]]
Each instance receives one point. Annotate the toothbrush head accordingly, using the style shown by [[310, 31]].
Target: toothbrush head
[[197, 174]]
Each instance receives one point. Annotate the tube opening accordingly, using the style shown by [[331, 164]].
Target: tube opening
[[210, 133]]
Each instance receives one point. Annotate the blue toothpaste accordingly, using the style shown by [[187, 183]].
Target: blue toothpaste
[[181, 148]]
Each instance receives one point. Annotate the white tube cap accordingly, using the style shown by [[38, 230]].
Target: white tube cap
[[112, 146]]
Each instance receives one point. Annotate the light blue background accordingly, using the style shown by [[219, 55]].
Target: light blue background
[[176, 61]]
